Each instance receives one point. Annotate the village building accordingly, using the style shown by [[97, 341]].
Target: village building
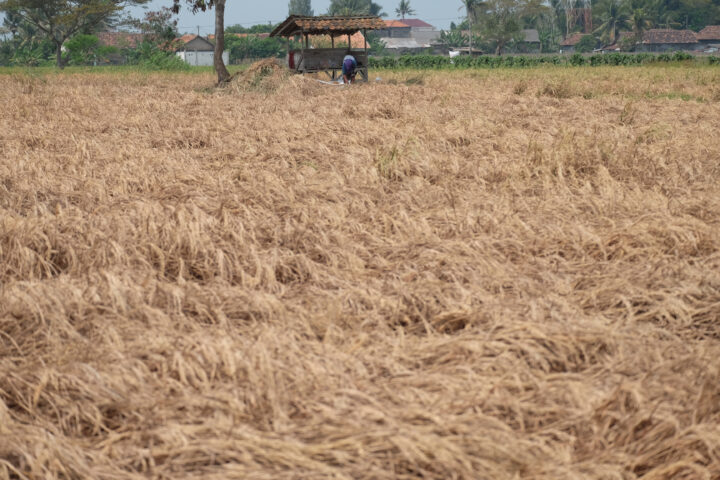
[[709, 38], [530, 42], [198, 51], [666, 40], [408, 36]]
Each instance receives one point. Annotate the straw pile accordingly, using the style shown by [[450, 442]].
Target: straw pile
[[491, 275]]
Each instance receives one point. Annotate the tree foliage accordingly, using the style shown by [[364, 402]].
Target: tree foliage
[[355, 7], [586, 44], [500, 22], [300, 7], [404, 9], [59, 20]]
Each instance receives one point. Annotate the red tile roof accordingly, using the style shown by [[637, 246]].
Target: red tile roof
[[395, 24], [120, 39], [659, 36], [189, 37], [572, 40], [711, 32], [325, 25], [416, 23]]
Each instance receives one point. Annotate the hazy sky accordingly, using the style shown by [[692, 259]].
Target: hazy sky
[[251, 12]]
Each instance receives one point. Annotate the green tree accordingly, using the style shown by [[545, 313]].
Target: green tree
[[404, 9], [260, 28], [59, 20], [586, 44], [500, 20], [159, 27], [453, 38], [300, 7], [614, 16], [219, 5], [355, 7], [470, 7], [639, 22]]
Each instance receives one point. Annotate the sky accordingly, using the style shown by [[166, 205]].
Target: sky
[[251, 12]]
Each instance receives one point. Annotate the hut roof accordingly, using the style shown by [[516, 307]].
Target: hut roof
[[296, 24], [660, 36], [711, 32]]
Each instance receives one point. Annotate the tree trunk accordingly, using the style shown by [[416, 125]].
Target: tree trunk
[[58, 54], [220, 69], [470, 33]]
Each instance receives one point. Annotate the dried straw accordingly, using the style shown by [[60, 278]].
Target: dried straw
[[481, 275]]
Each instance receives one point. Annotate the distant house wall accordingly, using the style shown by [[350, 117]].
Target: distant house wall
[[201, 59], [425, 36], [668, 47], [395, 32]]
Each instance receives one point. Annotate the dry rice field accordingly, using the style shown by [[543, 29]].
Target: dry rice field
[[509, 274]]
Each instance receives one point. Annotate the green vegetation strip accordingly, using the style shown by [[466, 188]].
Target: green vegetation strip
[[439, 62]]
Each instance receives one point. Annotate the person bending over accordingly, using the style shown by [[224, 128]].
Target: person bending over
[[349, 69]]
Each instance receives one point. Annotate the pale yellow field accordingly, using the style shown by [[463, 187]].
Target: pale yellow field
[[508, 274]]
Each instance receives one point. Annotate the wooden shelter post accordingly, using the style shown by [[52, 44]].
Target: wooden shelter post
[[332, 43], [302, 50]]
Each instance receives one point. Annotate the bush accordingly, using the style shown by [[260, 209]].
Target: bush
[[486, 61], [577, 59], [151, 57], [682, 56]]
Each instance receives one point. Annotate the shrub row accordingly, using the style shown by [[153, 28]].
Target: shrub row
[[441, 62]]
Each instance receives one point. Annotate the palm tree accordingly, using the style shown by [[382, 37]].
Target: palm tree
[[614, 16], [470, 6], [639, 21], [404, 9]]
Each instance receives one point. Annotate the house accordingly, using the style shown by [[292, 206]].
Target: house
[[395, 29], [530, 42], [422, 31], [664, 40], [709, 34], [408, 36], [198, 51], [709, 38], [568, 45]]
